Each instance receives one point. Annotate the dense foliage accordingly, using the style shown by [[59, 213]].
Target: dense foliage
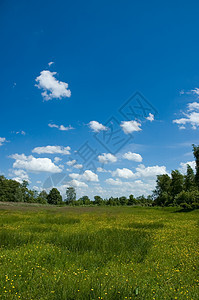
[[174, 190]]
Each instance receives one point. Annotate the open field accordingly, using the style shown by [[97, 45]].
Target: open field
[[98, 253]]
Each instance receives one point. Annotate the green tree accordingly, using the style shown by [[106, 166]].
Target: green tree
[[123, 200], [161, 193], [196, 155], [85, 200], [54, 197], [132, 200], [42, 198], [70, 195], [177, 181], [98, 200], [189, 179]]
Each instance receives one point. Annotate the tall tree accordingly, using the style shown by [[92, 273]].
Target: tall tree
[[162, 190], [54, 197], [196, 155], [70, 195], [189, 179], [177, 180]]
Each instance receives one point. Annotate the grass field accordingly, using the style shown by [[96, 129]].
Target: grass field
[[98, 253]]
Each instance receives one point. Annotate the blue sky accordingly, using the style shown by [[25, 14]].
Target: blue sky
[[66, 70]]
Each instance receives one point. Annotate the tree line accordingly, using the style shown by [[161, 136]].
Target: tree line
[[174, 190]]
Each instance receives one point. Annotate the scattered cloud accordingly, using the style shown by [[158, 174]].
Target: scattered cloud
[[132, 156], [105, 158], [71, 162], [142, 171], [32, 164], [52, 150], [88, 175], [191, 116], [51, 63], [57, 159], [150, 117], [96, 126], [77, 183], [130, 126], [123, 173], [183, 166], [195, 91], [52, 88], [78, 166], [112, 181], [61, 127], [2, 141], [101, 170], [20, 175]]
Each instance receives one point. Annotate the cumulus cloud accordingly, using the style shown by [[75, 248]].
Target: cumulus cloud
[[20, 175], [191, 116], [133, 156], [77, 183], [61, 127], [142, 171], [52, 150], [112, 181], [123, 173], [52, 88], [88, 175], [183, 166], [2, 141], [78, 166], [57, 159], [130, 126], [32, 164], [96, 126], [150, 117], [106, 158], [195, 91], [71, 162], [101, 170]]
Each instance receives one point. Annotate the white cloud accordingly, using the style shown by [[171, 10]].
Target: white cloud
[[32, 164], [193, 106], [191, 116], [130, 126], [52, 87], [150, 117], [112, 181], [123, 173], [101, 170], [71, 162], [133, 156], [153, 171], [78, 166], [50, 63], [2, 140], [96, 126], [195, 91], [52, 150], [21, 132], [57, 159], [106, 158], [77, 183], [183, 166], [90, 176], [61, 127], [20, 175]]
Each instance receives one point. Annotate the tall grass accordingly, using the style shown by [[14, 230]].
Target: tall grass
[[100, 253]]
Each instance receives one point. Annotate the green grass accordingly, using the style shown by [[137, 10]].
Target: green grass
[[98, 253]]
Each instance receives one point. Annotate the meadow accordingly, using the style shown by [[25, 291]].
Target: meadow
[[74, 253]]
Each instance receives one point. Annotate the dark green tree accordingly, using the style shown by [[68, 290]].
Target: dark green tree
[[54, 197], [70, 195], [177, 181], [132, 200], [189, 179], [196, 155], [161, 194], [98, 200]]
